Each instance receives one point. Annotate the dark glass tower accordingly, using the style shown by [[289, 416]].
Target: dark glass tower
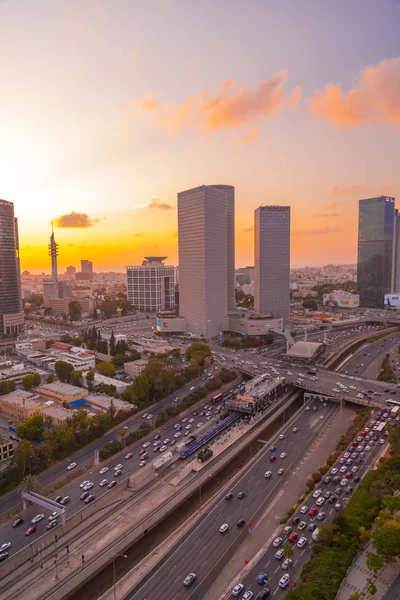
[[376, 241], [11, 313]]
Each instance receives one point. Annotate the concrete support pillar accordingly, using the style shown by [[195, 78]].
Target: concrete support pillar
[[96, 457]]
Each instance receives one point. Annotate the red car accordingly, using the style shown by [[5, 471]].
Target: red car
[[363, 433], [31, 530], [349, 475], [355, 444], [293, 537], [313, 512], [272, 458]]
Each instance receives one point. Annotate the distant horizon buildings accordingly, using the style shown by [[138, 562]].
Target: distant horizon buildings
[[272, 261], [151, 286], [206, 257], [86, 272], [378, 260], [11, 313]]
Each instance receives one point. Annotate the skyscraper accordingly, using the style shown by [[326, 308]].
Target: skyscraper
[[272, 261], [11, 313], [377, 261], [86, 272], [206, 256], [151, 287], [53, 253], [230, 224]]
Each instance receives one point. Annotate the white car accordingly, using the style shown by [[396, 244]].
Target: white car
[[142, 463], [156, 444], [118, 467], [191, 420], [162, 449], [177, 435], [53, 516], [307, 408], [248, 595], [282, 455], [5, 546], [149, 417], [284, 581], [317, 493], [277, 542], [37, 519], [103, 470], [304, 509], [224, 527], [103, 482], [88, 486], [295, 430], [321, 417], [268, 474], [192, 388], [334, 471], [199, 424], [237, 589], [281, 437], [82, 485], [71, 466], [146, 445], [129, 455], [189, 426], [166, 441], [320, 501], [302, 542]]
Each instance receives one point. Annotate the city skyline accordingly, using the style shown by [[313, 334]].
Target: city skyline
[[108, 138]]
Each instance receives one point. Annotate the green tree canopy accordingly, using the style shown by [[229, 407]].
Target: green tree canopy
[[6, 387], [74, 310], [374, 562], [32, 429], [76, 378], [63, 370], [107, 369]]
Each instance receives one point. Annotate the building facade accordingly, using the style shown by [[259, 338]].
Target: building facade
[[376, 261], [229, 190], [19, 405], [11, 313], [151, 287], [61, 392], [205, 241], [70, 273], [272, 261]]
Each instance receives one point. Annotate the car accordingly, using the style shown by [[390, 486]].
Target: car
[[277, 542], [284, 581], [302, 542], [65, 500], [240, 523], [328, 479], [288, 530], [118, 467], [336, 479], [82, 485], [88, 486], [279, 554], [272, 448], [317, 493], [320, 501], [37, 518], [146, 444], [177, 435], [103, 470], [58, 499], [53, 516], [262, 578], [296, 520], [282, 455], [167, 440], [31, 530], [3, 556], [302, 525], [327, 494], [268, 474], [149, 417], [191, 578], [229, 496], [304, 509], [293, 536], [84, 495], [241, 495], [237, 589], [312, 526], [281, 471], [103, 482], [307, 407], [117, 473], [286, 563], [344, 482], [281, 437], [333, 498], [112, 484], [69, 468], [343, 469], [224, 528], [89, 499], [17, 521], [334, 471], [295, 430], [129, 455], [321, 417], [314, 510], [5, 546], [52, 524], [248, 595]]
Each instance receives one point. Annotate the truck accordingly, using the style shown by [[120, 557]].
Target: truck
[[394, 411], [380, 427], [163, 460]]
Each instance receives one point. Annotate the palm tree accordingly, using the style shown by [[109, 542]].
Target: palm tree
[[287, 550], [31, 484], [122, 432]]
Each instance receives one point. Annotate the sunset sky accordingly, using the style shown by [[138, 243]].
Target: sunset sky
[[108, 108]]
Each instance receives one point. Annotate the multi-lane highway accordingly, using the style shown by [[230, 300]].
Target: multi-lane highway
[[369, 360], [205, 550], [271, 563]]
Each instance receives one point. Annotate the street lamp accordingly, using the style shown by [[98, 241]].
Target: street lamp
[[114, 557]]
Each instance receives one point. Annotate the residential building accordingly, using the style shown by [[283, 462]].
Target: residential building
[[11, 313], [50, 290], [6, 449], [58, 305], [377, 244], [70, 273], [64, 289], [19, 405], [86, 273], [206, 257], [61, 392], [272, 261], [151, 287], [133, 368], [120, 386]]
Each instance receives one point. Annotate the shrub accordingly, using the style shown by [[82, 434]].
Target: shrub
[[310, 484], [316, 477], [283, 520], [291, 511]]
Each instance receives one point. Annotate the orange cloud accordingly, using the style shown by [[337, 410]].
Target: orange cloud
[[344, 191], [156, 203], [375, 99], [74, 219], [232, 106]]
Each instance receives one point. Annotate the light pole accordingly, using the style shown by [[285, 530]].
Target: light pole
[[114, 557]]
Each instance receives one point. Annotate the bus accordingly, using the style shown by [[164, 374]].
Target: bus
[[217, 398], [392, 402]]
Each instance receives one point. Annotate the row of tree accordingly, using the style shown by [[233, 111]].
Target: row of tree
[[386, 372]]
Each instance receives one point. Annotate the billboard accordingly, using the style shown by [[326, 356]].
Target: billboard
[[392, 300], [341, 300]]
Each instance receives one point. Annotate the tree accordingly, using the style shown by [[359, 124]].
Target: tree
[[64, 370], [176, 353], [23, 455], [89, 379], [107, 369], [355, 596], [32, 429], [27, 382], [76, 378], [31, 484], [6, 387], [287, 550], [371, 587], [197, 352], [374, 562], [74, 311], [112, 410], [310, 304], [50, 378], [154, 372], [386, 540], [112, 343], [139, 390], [122, 432]]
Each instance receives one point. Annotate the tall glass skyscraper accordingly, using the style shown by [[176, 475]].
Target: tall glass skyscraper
[[376, 263], [11, 313]]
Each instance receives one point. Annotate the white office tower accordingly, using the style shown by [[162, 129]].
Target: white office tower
[[151, 287], [206, 253], [272, 261]]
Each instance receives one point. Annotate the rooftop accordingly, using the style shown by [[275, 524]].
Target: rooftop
[[304, 349], [62, 388]]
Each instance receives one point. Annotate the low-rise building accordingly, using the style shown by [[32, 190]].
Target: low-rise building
[[120, 386], [61, 392], [17, 406], [133, 368], [58, 414], [15, 373], [103, 403], [251, 323]]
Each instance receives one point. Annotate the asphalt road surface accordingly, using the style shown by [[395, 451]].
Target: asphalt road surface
[[205, 550]]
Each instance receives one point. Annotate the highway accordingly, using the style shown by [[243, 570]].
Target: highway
[[58, 471], [369, 360], [270, 564], [130, 466], [205, 550]]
